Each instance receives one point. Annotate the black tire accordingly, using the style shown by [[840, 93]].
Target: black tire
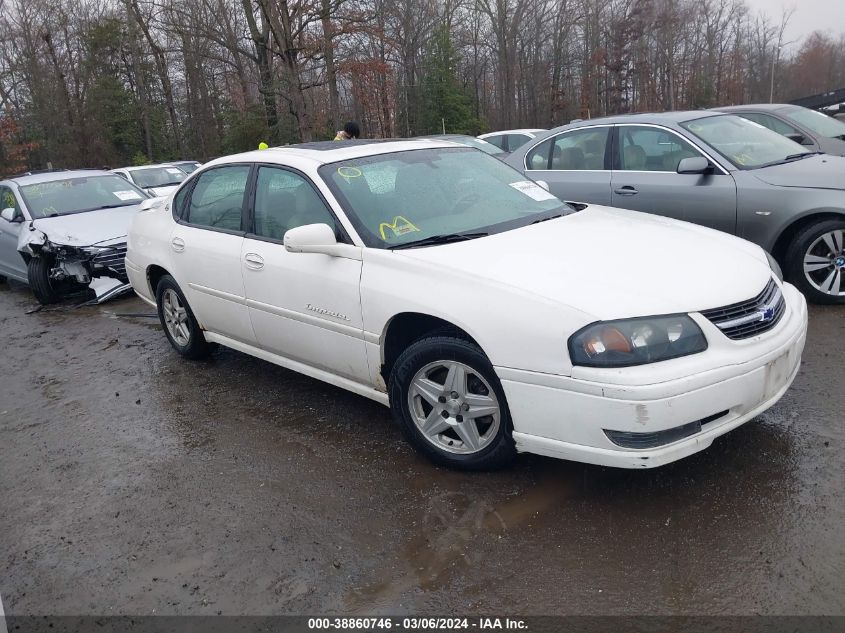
[[196, 347], [500, 449], [38, 275], [794, 262]]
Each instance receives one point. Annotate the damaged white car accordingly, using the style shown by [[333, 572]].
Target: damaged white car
[[61, 231]]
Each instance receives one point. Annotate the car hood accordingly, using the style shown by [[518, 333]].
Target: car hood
[[612, 263], [816, 172], [90, 227]]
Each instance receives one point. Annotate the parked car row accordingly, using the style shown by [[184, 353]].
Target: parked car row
[[491, 316]]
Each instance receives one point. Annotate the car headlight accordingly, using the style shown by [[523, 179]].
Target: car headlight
[[776, 269], [636, 341]]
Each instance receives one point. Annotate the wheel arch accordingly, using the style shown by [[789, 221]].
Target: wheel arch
[[154, 275], [787, 234], [403, 328]]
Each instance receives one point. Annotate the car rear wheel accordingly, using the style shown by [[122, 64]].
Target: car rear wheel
[[815, 262], [177, 319], [450, 405]]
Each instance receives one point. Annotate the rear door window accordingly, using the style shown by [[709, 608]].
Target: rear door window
[[217, 199], [576, 150]]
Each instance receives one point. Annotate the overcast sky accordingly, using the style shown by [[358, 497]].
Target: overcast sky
[[809, 16]]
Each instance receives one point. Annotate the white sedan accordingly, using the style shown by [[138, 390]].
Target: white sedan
[[488, 315], [156, 180]]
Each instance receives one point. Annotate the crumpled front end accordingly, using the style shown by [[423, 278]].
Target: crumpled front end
[[100, 266]]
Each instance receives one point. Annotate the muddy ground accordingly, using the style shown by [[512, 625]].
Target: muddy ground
[[133, 481]]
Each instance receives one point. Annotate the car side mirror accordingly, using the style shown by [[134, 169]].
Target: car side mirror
[[318, 238], [695, 165], [543, 184], [10, 214]]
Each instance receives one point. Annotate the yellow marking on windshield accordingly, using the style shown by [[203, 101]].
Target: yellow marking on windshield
[[349, 172], [400, 226]]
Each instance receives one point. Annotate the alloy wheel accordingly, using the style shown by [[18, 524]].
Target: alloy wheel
[[454, 407], [175, 317], [824, 263]]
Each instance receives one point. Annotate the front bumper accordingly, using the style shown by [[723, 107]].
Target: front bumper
[[566, 417]]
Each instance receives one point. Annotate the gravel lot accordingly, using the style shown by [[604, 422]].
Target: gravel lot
[[135, 482]]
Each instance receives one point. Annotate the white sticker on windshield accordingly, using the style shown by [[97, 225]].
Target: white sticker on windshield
[[174, 171], [128, 195], [532, 190]]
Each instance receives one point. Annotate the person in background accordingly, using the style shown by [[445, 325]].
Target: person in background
[[350, 131]]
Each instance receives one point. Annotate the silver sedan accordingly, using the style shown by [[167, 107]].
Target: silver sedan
[[718, 170]]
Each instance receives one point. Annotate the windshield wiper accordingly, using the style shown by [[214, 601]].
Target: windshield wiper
[[788, 159], [801, 155], [551, 217], [105, 206], [440, 239]]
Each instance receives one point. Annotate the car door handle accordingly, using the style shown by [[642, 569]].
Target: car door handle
[[253, 261], [177, 244], [627, 190]]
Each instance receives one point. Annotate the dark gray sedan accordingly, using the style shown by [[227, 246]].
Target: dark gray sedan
[[718, 170], [813, 130]]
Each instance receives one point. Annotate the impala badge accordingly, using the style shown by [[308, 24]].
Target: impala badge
[[325, 312]]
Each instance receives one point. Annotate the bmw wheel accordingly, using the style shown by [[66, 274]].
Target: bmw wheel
[[177, 319], [816, 262], [450, 405]]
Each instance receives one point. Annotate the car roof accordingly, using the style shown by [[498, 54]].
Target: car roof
[[649, 117], [138, 167], [768, 107], [657, 118], [323, 152], [530, 130], [50, 176]]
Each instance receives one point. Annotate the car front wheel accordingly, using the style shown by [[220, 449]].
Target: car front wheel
[[450, 405], [43, 287], [178, 321], [815, 262]]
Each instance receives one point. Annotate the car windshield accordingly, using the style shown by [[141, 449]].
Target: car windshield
[[75, 195], [403, 198], [188, 168], [158, 176], [748, 145], [817, 122]]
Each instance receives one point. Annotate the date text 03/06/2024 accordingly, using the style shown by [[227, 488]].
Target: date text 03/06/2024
[[417, 624]]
